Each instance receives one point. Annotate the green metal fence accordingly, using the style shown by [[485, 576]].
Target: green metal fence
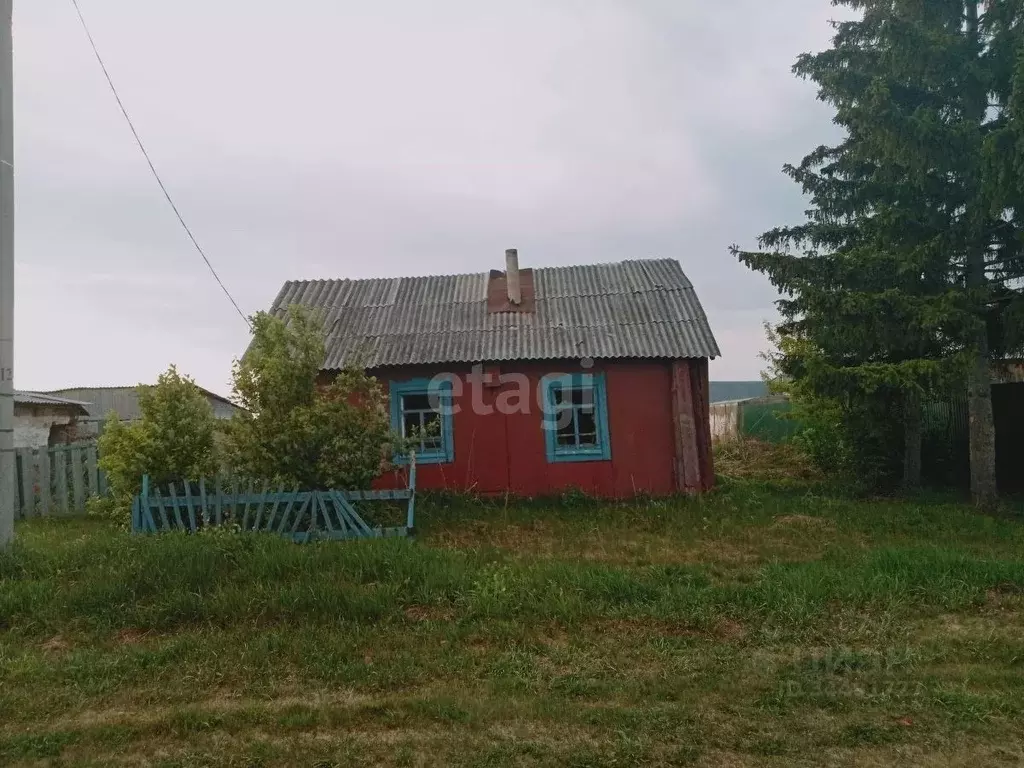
[[768, 419]]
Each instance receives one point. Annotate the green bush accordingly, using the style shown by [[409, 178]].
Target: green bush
[[856, 437], [295, 430], [173, 440]]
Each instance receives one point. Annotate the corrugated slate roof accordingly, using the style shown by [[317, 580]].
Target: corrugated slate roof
[[628, 309], [124, 401], [41, 398]]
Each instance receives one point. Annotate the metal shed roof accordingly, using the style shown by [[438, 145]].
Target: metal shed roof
[[42, 398], [124, 401], [628, 309]]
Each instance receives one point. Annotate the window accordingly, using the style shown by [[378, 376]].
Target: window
[[421, 411], [576, 417]]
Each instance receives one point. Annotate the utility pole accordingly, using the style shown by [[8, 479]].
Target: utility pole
[[7, 489]]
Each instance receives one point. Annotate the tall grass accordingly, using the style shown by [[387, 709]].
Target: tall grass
[[109, 580]]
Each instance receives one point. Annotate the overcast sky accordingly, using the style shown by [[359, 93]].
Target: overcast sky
[[345, 138]]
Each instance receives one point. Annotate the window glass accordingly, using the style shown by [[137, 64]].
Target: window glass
[[576, 418], [420, 412]]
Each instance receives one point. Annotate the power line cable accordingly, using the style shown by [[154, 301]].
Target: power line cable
[[152, 167]]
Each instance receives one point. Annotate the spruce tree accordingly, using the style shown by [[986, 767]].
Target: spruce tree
[[907, 270]]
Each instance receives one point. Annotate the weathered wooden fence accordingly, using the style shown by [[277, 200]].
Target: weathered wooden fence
[[58, 480], [299, 515]]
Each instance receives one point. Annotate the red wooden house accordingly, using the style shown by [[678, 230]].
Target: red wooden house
[[534, 381]]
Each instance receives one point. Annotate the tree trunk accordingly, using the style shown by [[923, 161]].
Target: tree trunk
[[912, 430], [982, 430], [982, 426]]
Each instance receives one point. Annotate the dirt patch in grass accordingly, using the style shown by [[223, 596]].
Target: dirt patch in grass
[[56, 644], [723, 759], [729, 630], [723, 630], [1005, 597], [131, 637], [639, 548], [805, 521], [479, 645], [793, 542], [202, 735], [554, 636], [644, 627], [419, 613], [725, 552], [563, 738], [535, 536], [128, 713], [265, 747], [999, 622]]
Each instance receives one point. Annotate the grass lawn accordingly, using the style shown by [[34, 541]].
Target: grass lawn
[[757, 626]]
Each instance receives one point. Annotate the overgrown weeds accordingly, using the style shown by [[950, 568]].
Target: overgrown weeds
[[749, 458]]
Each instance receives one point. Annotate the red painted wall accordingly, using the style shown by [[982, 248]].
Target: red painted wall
[[497, 452]]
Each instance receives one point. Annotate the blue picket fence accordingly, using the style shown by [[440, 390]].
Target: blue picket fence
[[299, 515]]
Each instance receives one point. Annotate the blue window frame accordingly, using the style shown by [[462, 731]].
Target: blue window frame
[[421, 410], [576, 417]]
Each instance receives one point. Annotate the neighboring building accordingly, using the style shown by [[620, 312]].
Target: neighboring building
[[124, 401], [534, 381], [1008, 413], [42, 420], [1008, 371]]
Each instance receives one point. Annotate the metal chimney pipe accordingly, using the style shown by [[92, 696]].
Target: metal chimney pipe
[[515, 294]]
